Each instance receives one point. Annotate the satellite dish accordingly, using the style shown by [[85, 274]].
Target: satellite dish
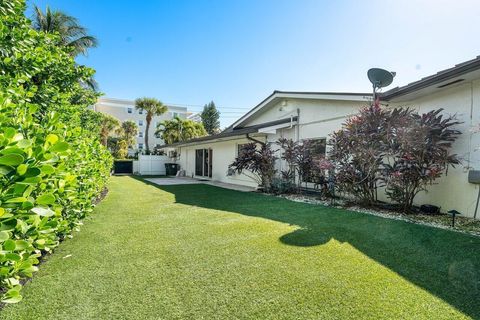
[[380, 78]]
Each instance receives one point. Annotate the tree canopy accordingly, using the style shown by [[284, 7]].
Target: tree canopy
[[71, 33], [177, 130], [211, 118]]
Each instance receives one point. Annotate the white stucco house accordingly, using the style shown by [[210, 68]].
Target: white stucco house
[[315, 115]]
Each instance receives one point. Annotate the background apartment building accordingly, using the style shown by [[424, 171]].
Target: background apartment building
[[125, 110]]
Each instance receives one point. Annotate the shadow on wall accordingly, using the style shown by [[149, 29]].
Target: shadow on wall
[[445, 263]]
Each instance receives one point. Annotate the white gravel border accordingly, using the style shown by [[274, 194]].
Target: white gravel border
[[374, 212]]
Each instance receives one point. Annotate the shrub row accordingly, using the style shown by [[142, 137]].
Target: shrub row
[[52, 165]]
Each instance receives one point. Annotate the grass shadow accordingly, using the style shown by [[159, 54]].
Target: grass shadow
[[443, 262]]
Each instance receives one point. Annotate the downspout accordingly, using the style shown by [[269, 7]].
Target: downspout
[[255, 140], [298, 125]]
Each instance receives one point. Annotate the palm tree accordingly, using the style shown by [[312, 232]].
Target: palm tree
[[71, 33], [129, 131], [177, 130], [108, 125], [152, 107]]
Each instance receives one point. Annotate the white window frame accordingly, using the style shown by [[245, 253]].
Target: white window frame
[[129, 110], [140, 123], [140, 134]]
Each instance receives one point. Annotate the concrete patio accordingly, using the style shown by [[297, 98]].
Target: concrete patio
[[186, 180]]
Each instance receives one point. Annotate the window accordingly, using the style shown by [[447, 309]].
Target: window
[[318, 147], [174, 114], [240, 148], [140, 111], [140, 123], [130, 110], [140, 146], [140, 134]]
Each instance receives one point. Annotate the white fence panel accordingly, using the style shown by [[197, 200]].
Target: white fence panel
[[152, 165]]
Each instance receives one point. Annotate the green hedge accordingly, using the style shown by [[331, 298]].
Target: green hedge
[[52, 165]]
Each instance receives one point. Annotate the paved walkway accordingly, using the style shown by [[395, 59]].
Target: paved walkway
[[185, 180]]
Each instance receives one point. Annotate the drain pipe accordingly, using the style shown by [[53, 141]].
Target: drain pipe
[[298, 125], [255, 140]]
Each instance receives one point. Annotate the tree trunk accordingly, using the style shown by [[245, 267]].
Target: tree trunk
[[148, 120]]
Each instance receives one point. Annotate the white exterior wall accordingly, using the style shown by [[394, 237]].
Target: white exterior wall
[[223, 154]]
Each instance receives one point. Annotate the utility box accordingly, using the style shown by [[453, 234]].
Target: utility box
[[474, 176]]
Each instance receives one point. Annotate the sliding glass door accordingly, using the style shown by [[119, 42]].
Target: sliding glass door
[[203, 162]]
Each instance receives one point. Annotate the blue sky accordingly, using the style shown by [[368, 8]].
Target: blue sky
[[236, 52]]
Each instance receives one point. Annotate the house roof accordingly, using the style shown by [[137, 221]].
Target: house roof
[[439, 80], [233, 132], [278, 95]]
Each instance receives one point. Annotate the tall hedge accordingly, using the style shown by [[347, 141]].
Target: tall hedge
[[52, 165]]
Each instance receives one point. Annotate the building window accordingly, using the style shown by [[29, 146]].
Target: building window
[[140, 134], [140, 111], [318, 147], [140, 146], [130, 110], [175, 114], [140, 123], [240, 147]]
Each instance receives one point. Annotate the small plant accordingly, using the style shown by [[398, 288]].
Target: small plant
[[279, 185]]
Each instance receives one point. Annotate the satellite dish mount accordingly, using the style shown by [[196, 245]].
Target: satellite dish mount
[[379, 78]]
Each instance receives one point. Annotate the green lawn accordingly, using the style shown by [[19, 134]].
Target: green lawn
[[201, 252]]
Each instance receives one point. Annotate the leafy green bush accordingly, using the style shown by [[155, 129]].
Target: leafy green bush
[[52, 165]]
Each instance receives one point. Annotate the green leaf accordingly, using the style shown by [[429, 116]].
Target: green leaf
[[2, 212], [47, 169], [52, 138], [16, 200], [4, 170], [44, 212], [4, 236], [13, 256], [13, 159], [8, 225], [59, 147], [24, 143], [22, 169], [9, 132], [12, 150], [14, 299], [46, 199], [33, 172], [9, 245], [21, 245]]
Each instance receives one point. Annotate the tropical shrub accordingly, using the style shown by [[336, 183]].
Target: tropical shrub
[[280, 185], [256, 163], [400, 149], [419, 153], [302, 162], [358, 152], [52, 165]]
